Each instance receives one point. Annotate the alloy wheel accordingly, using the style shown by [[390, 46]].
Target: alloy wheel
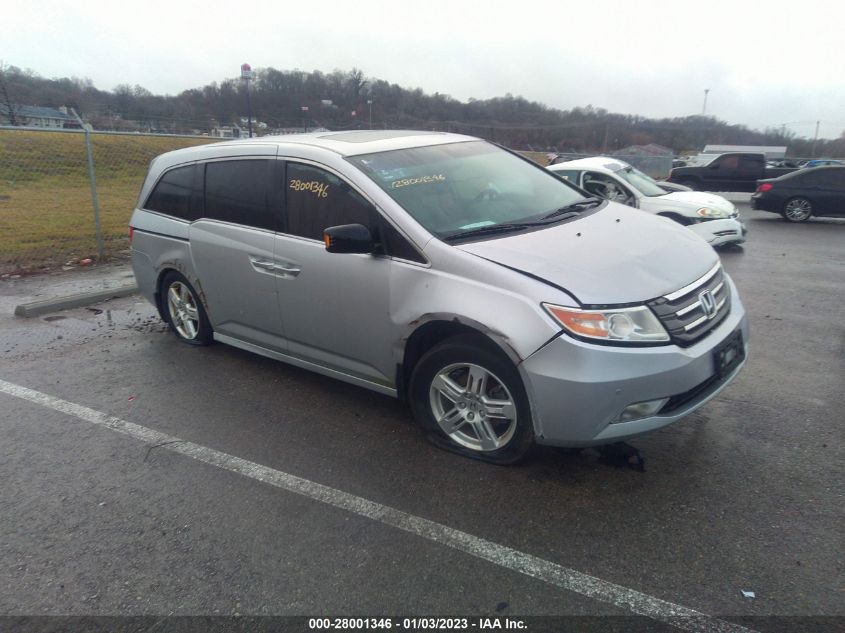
[[182, 307], [473, 407], [798, 209]]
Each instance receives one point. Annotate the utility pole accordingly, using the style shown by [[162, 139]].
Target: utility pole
[[704, 108], [815, 138], [246, 75]]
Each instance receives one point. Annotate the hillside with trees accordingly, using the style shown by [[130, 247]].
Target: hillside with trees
[[292, 99]]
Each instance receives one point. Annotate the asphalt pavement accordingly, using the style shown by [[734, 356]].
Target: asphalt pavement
[[146, 477]]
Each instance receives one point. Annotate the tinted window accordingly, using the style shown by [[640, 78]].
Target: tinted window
[[729, 162], [317, 199], [172, 194], [237, 191], [394, 243], [750, 162]]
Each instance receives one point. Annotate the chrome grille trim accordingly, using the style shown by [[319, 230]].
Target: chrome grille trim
[[698, 282], [682, 313]]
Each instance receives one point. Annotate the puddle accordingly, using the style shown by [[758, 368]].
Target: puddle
[[26, 337]]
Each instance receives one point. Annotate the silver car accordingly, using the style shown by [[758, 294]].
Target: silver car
[[503, 303]]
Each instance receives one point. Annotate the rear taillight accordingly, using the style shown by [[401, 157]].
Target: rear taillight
[[131, 234], [766, 186]]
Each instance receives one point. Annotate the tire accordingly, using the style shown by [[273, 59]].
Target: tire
[[184, 311], [797, 209], [476, 424]]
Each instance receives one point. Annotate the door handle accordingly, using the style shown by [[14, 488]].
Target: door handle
[[263, 265], [292, 271]]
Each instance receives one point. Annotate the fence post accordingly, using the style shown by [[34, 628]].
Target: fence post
[[93, 181]]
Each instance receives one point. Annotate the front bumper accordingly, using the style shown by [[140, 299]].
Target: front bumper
[[577, 389], [719, 232]]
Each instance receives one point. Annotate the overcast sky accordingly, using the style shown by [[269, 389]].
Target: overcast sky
[[765, 63]]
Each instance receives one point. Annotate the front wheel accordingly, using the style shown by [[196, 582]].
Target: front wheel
[[797, 210], [469, 398]]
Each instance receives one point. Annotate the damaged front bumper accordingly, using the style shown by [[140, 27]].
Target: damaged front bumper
[[579, 390]]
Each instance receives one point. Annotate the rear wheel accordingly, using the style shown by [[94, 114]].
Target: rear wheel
[[469, 398], [797, 210], [184, 312]]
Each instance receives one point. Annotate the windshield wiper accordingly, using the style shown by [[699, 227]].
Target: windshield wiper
[[575, 208], [488, 230]]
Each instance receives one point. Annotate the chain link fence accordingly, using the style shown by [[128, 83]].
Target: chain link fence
[[47, 216], [54, 215]]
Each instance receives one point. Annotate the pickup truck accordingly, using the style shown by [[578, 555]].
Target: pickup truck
[[737, 171]]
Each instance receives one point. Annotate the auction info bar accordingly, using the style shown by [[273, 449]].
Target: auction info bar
[[305, 624]]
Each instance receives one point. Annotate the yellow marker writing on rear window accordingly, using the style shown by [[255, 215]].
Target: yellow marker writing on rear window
[[320, 189]]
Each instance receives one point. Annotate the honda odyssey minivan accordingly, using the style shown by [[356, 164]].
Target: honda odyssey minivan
[[505, 305]]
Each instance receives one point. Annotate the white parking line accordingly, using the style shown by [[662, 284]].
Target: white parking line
[[500, 555]]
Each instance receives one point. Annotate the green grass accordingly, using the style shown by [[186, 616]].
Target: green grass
[[46, 214]]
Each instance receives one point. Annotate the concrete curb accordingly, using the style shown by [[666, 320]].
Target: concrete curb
[[73, 301]]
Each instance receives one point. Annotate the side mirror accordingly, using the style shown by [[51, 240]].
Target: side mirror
[[714, 165], [348, 238]]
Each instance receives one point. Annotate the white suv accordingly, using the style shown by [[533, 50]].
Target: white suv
[[710, 216]]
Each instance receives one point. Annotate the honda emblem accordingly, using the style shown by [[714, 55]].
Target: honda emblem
[[708, 303]]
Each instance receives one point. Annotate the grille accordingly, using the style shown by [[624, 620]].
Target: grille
[[684, 312]]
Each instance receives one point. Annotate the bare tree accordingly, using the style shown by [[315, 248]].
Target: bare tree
[[8, 109]]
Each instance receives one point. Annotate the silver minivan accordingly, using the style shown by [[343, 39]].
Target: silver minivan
[[504, 304]]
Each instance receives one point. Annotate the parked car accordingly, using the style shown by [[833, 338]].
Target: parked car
[[710, 216], [737, 171], [505, 305], [802, 194], [821, 162], [785, 162]]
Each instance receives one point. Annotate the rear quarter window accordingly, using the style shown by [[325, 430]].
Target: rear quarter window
[[174, 194]]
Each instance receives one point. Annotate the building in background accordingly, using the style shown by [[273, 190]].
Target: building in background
[[771, 151], [38, 116]]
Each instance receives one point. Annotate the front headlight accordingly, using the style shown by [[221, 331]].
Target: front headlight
[[712, 214], [621, 325]]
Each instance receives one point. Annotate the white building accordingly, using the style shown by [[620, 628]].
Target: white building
[[771, 151]]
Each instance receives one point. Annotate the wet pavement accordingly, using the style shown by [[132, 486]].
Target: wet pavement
[[744, 495]]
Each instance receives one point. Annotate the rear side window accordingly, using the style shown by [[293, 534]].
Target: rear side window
[[238, 191], [173, 193], [751, 162]]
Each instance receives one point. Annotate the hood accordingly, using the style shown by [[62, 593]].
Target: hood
[[699, 199], [615, 255]]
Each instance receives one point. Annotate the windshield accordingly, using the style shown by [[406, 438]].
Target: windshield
[[644, 183], [462, 187]]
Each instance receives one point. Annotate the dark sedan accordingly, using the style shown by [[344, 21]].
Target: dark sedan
[[801, 194]]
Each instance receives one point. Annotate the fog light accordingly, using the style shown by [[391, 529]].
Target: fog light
[[641, 410]]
